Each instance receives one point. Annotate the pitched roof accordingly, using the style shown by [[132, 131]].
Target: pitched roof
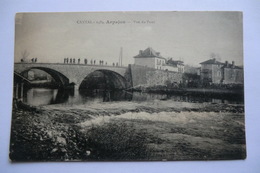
[[212, 61], [231, 66], [225, 65], [149, 52], [174, 63]]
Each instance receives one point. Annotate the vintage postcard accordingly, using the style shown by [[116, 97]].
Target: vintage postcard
[[128, 86]]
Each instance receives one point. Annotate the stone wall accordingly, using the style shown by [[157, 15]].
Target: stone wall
[[146, 76]]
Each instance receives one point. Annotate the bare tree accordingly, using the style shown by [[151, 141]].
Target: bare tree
[[215, 56], [24, 54]]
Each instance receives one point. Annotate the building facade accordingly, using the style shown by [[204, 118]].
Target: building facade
[[177, 66], [151, 58], [232, 74], [213, 71]]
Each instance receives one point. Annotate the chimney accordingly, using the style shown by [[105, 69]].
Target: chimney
[[226, 63], [140, 52], [214, 60], [233, 64]]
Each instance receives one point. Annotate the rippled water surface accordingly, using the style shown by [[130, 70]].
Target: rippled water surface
[[43, 96]]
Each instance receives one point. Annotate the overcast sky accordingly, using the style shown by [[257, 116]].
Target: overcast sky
[[189, 36]]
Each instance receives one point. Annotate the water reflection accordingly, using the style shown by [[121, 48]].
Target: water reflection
[[107, 95], [43, 96]]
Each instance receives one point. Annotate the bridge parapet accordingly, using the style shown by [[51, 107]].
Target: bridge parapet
[[74, 72]]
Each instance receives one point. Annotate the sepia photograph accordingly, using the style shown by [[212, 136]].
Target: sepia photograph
[[128, 86]]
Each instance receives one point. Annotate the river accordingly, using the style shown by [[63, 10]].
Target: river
[[152, 126], [44, 96]]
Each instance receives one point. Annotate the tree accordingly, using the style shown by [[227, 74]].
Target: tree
[[190, 69], [24, 55], [215, 56]]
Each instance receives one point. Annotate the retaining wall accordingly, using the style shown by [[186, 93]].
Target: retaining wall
[[146, 76]]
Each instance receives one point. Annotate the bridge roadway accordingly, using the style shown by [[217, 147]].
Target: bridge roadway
[[66, 74]]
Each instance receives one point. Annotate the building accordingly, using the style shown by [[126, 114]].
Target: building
[[213, 71], [151, 58], [177, 66], [232, 74]]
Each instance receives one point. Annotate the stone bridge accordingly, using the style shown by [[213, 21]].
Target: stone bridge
[[66, 74]]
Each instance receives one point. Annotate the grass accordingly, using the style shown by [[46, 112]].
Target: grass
[[117, 141], [30, 141], [138, 135]]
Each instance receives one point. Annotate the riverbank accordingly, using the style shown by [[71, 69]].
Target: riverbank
[[216, 92], [158, 130]]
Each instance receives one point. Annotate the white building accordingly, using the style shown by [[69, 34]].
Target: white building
[[177, 66], [151, 58]]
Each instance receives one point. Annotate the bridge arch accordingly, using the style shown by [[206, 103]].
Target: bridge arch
[[103, 79], [61, 79]]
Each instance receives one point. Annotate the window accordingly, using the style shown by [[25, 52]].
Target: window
[[218, 73]]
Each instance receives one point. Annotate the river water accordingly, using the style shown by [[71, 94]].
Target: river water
[[44, 96]]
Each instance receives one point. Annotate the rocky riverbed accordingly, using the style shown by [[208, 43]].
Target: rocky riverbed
[[158, 130]]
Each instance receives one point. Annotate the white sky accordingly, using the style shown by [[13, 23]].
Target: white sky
[[189, 36]]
